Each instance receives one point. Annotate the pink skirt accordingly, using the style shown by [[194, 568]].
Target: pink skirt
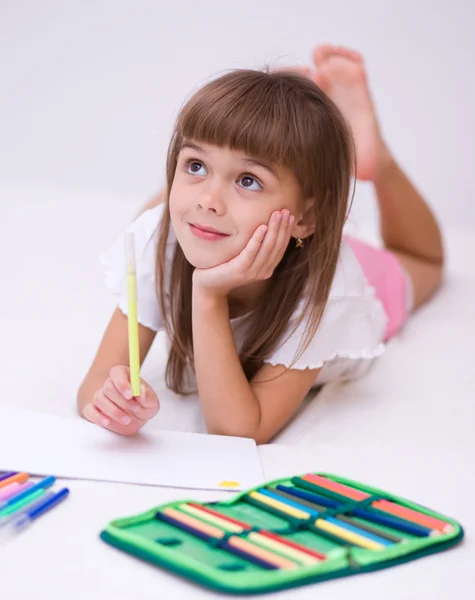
[[390, 280]]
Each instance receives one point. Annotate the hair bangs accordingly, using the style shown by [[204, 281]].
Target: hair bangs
[[244, 111]]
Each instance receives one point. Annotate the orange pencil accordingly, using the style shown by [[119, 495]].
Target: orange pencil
[[384, 505], [240, 544], [19, 477]]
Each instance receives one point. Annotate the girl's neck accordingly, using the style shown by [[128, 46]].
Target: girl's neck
[[245, 299]]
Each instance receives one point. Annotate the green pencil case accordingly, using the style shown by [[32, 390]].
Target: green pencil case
[[285, 533]]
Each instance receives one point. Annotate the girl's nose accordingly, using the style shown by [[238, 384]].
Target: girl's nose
[[211, 201]]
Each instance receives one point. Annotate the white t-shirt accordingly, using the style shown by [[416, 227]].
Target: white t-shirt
[[349, 337]]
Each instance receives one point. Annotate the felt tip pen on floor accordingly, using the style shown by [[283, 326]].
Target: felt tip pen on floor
[[20, 521], [43, 484]]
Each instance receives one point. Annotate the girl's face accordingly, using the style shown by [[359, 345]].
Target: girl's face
[[220, 196]]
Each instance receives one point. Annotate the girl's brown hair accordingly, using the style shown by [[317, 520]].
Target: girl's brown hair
[[287, 120]]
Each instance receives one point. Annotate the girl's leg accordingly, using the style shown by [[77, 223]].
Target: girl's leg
[[408, 228]]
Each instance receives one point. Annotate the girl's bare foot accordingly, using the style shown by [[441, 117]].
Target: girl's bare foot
[[341, 74]]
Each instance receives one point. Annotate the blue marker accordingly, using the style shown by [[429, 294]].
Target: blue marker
[[43, 484], [21, 520]]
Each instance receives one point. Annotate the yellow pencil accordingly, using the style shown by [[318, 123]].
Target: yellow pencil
[[133, 326], [335, 530], [256, 537]]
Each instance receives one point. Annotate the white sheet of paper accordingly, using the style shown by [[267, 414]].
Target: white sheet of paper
[[43, 444]]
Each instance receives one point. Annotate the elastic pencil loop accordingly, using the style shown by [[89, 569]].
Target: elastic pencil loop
[[352, 563], [301, 524], [291, 528], [331, 512], [368, 501], [218, 542]]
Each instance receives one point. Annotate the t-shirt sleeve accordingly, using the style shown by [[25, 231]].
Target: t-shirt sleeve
[[146, 230], [352, 324]]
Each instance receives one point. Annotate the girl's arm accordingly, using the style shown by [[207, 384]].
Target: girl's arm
[[113, 350], [232, 405]]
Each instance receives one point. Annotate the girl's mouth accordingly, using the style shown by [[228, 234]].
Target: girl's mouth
[[207, 233]]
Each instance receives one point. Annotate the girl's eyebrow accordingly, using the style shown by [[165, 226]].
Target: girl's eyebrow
[[247, 160], [192, 147], [264, 165]]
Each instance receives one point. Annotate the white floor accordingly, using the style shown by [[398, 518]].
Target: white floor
[[408, 426]]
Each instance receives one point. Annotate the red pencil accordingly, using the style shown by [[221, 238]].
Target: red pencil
[[383, 505], [263, 532]]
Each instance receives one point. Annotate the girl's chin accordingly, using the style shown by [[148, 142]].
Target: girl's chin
[[203, 262]]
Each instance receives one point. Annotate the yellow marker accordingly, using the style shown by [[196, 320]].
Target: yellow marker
[[134, 354], [231, 484]]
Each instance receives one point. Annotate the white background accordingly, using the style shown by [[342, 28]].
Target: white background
[[89, 90]]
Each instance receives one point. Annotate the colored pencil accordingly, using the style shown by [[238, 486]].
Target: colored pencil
[[373, 515], [281, 490], [334, 520], [18, 477], [384, 505], [219, 514], [199, 533], [263, 532], [234, 542], [338, 532], [254, 536]]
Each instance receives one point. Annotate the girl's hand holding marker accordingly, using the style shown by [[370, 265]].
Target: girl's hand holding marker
[[125, 402], [114, 406]]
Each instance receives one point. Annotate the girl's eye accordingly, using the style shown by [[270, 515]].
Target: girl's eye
[[250, 183], [196, 168]]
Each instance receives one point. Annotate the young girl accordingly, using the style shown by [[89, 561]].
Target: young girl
[[244, 263]]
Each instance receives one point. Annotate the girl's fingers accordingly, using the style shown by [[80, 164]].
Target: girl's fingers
[[121, 392], [110, 391], [110, 410], [91, 413], [265, 261], [265, 249], [120, 377], [94, 415], [282, 240], [147, 399], [248, 255]]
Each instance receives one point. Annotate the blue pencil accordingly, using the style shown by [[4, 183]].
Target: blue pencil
[[368, 515], [315, 513]]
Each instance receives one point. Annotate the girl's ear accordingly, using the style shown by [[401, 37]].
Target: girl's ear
[[305, 226]]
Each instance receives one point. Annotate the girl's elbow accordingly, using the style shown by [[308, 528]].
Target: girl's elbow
[[258, 436]]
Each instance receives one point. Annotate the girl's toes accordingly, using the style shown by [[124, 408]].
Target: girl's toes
[[321, 80], [321, 53], [352, 54]]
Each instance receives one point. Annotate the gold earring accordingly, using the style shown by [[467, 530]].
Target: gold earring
[[299, 243]]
